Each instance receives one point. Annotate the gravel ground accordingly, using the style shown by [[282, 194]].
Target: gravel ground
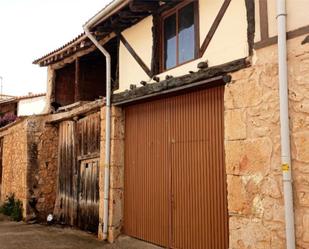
[[18, 235]]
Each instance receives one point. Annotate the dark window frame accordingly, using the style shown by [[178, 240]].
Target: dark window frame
[[169, 13]]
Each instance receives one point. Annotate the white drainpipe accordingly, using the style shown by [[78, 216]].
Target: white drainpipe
[[107, 129], [102, 15], [284, 123]]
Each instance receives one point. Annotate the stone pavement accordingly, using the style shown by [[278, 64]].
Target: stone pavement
[[18, 235]]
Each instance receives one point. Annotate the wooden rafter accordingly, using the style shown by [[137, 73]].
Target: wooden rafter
[[214, 26], [250, 7], [263, 19], [155, 61], [124, 18], [187, 80], [135, 55], [143, 6], [77, 77]]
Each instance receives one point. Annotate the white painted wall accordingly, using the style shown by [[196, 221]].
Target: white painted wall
[[229, 43], [297, 16], [31, 106]]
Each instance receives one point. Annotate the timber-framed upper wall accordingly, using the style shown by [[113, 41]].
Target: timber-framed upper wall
[[266, 23], [216, 24], [224, 31]]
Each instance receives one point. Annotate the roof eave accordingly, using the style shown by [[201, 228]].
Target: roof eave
[[106, 12]]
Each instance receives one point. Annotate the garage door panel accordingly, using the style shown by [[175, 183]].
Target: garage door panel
[[146, 181], [198, 209], [175, 185], [186, 214]]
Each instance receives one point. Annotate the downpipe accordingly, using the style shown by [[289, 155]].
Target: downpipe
[[107, 129], [284, 126]]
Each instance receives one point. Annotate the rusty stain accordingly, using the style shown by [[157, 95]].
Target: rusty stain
[[243, 164]]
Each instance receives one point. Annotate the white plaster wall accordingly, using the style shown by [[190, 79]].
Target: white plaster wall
[[257, 36], [140, 38], [229, 42], [31, 106], [297, 16]]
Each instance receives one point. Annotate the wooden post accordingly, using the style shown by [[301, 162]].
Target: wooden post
[[52, 75], [155, 61], [77, 79]]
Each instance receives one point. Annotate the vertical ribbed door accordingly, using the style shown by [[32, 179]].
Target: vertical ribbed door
[[146, 173], [175, 184]]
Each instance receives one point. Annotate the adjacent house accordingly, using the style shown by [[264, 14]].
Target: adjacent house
[[192, 154], [30, 104]]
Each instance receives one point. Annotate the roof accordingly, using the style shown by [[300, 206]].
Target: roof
[[79, 39], [5, 96], [31, 96], [18, 98], [120, 14], [106, 6]]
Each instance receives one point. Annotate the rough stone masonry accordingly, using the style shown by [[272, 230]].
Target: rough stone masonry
[[30, 151], [252, 147]]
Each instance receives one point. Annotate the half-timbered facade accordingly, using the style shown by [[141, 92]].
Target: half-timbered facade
[[195, 148]]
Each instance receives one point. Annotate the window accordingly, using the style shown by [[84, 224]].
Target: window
[[179, 29]]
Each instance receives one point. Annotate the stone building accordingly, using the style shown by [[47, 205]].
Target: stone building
[[195, 152], [29, 151], [30, 104]]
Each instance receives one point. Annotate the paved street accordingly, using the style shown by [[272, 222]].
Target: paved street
[[18, 235]]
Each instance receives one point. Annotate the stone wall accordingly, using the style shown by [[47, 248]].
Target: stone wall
[[116, 173], [252, 147], [50, 94], [42, 167], [30, 150], [14, 162]]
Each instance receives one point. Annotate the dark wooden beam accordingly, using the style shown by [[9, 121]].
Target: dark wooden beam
[[250, 7], [143, 6], [289, 35], [128, 14], [135, 55], [77, 80], [116, 83], [176, 90], [155, 61], [168, 4], [306, 40], [182, 81], [53, 86], [263, 19], [214, 26]]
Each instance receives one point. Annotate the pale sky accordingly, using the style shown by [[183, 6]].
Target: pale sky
[[32, 28]]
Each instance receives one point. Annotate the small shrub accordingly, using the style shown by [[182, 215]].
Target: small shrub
[[7, 119], [12, 208]]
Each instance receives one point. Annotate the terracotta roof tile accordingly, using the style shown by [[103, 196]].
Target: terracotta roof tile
[[17, 98], [81, 36]]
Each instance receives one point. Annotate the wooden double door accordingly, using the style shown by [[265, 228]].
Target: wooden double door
[[77, 202], [175, 182]]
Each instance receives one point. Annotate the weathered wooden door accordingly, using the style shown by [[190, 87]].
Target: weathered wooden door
[[66, 201], [88, 201], [88, 135], [175, 184], [77, 202]]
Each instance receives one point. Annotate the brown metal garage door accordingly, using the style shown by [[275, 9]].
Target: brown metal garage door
[[175, 184]]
